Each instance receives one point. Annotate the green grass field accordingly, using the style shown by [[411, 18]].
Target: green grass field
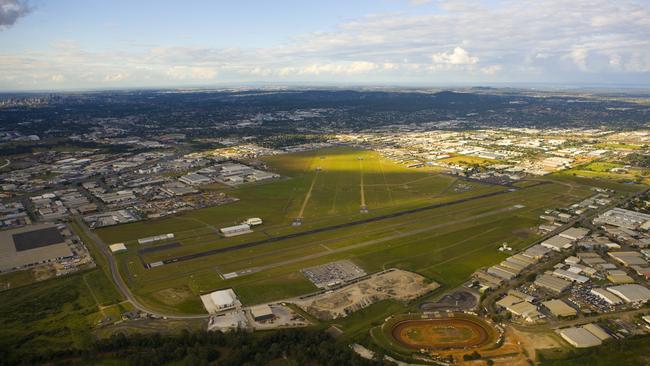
[[324, 188]]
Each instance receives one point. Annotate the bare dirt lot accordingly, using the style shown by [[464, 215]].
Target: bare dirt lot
[[391, 284]]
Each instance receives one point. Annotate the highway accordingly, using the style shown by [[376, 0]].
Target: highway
[[117, 279]]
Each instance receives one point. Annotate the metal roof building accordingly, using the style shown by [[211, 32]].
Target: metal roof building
[[606, 296], [559, 308], [574, 233], [31, 245], [580, 337], [557, 243], [552, 283], [632, 293]]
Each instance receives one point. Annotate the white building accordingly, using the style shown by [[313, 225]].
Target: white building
[[607, 296], [235, 230], [219, 300]]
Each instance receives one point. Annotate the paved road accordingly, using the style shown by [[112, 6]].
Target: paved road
[[119, 281]]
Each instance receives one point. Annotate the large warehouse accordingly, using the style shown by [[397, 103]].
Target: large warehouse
[[632, 293], [31, 245]]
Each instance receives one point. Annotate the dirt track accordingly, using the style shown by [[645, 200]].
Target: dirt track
[[450, 326]]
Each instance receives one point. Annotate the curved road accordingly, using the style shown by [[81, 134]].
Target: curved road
[[119, 281]]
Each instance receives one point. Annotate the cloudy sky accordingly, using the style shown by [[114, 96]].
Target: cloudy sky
[[71, 44]]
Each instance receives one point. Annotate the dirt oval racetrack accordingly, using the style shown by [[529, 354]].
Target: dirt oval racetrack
[[442, 333]]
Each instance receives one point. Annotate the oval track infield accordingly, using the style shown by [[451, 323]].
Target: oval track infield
[[442, 333]]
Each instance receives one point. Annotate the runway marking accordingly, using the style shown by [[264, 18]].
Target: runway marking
[[307, 197], [364, 208]]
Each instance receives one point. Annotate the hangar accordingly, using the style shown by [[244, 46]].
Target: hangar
[[261, 312], [31, 245], [219, 300]]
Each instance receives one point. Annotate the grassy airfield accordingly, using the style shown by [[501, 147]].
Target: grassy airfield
[[329, 187]]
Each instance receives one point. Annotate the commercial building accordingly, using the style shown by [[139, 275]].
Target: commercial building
[[560, 308], [31, 245], [632, 293], [235, 230]]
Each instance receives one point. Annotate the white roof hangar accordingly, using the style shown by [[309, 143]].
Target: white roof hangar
[[220, 300], [235, 230]]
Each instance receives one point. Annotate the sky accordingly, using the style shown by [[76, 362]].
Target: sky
[[108, 44]]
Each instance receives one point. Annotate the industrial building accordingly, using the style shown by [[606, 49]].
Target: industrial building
[[502, 272], [632, 293], [580, 337], [628, 259], [153, 239], [606, 296], [574, 233], [560, 308], [557, 243], [117, 247], [520, 308], [262, 313], [537, 252], [195, 179], [596, 330], [31, 245], [552, 283], [622, 218], [235, 230]]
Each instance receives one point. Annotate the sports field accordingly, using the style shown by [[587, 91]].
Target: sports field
[[351, 204]]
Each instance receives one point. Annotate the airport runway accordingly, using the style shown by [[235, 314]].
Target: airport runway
[[338, 226]]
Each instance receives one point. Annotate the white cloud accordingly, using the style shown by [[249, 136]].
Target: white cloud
[[457, 57], [461, 40]]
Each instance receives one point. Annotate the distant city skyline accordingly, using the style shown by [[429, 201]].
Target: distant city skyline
[[68, 44]]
